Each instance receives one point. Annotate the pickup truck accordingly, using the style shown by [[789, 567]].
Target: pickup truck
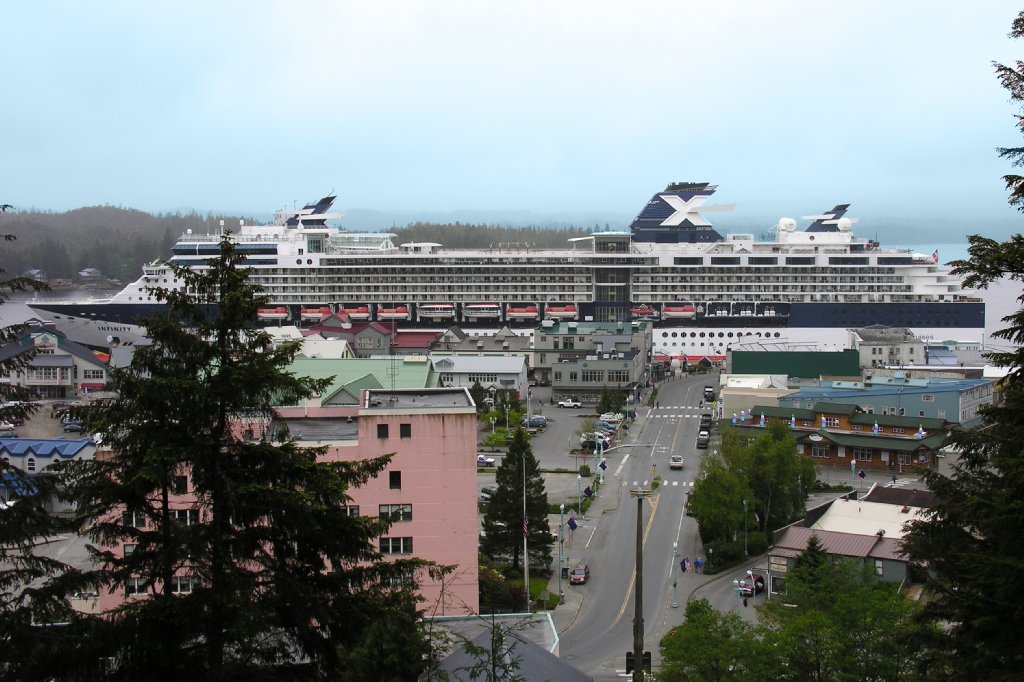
[[569, 402], [675, 462]]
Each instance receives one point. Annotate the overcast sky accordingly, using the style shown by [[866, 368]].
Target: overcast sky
[[572, 110]]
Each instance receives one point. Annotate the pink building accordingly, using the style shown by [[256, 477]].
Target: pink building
[[431, 481]]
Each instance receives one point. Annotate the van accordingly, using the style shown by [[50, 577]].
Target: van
[[703, 438], [535, 422]]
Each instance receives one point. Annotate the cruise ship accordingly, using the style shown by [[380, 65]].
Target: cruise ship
[[703, 292]]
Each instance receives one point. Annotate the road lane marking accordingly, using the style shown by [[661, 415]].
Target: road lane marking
[[622, 464]]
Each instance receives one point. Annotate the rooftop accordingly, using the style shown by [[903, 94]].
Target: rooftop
[[425, 399]]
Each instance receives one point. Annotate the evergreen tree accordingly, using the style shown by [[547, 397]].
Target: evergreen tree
[[503, 520], [266, 568], [478, 394], [970, 538], [33, 586]]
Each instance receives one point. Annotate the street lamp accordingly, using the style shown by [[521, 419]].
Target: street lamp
[[506, 416], [579, 495], [745, 528], [494, 420], [561, 525], [675, 553]]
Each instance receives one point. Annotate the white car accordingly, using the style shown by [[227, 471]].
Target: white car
[[612, 417], [484, 461], [675, 462]]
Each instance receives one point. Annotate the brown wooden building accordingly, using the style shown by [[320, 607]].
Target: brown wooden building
[[835, 434]]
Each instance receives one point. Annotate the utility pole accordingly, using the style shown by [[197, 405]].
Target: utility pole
[[638, 594]]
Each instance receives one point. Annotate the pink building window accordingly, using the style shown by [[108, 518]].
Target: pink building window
[[396, 545], [135, 586], [395, 480], [400, 512]]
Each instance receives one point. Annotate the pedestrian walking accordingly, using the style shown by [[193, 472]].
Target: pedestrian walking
[[683, 563]]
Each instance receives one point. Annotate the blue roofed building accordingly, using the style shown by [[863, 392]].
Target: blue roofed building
[[955, 400]]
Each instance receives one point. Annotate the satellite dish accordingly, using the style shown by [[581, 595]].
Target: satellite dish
[[844, 224], [787, 224]]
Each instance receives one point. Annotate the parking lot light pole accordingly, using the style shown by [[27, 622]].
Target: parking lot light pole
[[506, 416], [493, 422], [675, 553]]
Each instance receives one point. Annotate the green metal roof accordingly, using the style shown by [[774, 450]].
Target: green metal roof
[[353, 375], [803, 364]]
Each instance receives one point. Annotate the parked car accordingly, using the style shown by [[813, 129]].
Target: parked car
[[579, 574], [72, 427], [709, 393], [608, 426], [484, 461], [707, 420], [748, 587], [6, 426], [535, 422], [686, 505], [703, 438], [592, 442], [675, 462], [486, 492], [612, 417], [9, 434], [570, 402]]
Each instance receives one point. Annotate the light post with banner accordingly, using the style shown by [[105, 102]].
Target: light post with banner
[[675, 554], [561, 526]]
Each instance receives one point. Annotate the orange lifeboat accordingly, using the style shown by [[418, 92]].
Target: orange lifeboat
[[398, 313], [360, 314], [677, 312], [278, 313], [644, 312], [524, 313], [314, 313], [561, 312]]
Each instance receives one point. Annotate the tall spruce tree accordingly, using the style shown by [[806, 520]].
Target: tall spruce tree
[[503, 520], [262, 570], [970, 538], [33, 585]]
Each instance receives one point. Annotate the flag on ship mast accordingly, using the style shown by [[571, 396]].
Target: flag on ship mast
[[935, 255]]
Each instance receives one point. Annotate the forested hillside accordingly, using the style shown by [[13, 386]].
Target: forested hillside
[[118, 241]]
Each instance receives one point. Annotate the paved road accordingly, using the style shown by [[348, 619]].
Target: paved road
[[596, 641]]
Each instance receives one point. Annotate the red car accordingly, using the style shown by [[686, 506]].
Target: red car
[[579, 575]]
